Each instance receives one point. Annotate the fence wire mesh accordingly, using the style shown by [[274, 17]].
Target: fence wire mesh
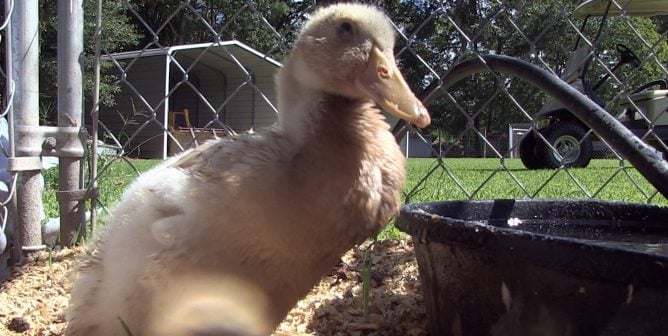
[[204, 69], [174, 74]]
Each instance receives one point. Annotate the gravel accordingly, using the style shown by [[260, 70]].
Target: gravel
[[34, 300]]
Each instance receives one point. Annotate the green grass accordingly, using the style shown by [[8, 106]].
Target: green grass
[[476, 179], [114, 178], [487, 179]]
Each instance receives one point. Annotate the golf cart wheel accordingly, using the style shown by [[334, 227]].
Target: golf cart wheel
[[567, 139], [527, 149]]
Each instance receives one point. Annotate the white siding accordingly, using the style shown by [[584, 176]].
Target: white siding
[[265, 115], [246, 106], [215, 78]]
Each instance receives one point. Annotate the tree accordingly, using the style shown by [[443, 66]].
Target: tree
[[118, 34], [450, 31], [256, 23], [439, 33], [541, 32], [651, 49]]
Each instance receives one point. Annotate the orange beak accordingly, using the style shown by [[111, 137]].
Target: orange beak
[[383, 83]]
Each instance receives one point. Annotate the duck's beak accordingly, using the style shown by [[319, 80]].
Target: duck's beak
[[382, 82]]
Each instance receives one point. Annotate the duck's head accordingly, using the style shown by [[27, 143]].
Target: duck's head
[[347, 50]]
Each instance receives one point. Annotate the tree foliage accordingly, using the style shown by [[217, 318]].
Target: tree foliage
[[652, 50], [435, 35], [266, 25], [542, 32], [118, 34]]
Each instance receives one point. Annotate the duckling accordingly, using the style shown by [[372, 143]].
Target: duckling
[[227, 237]]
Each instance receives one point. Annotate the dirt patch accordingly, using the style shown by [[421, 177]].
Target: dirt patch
[[35, 298]]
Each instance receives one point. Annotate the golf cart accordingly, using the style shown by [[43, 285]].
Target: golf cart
[[643, 110]]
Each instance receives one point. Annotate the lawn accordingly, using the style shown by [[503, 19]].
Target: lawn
[[114, 178], [450, 179], [455, 179], [461, 179]]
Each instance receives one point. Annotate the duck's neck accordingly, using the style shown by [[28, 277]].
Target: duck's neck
[[308, 115], [296, 102], [345, 176]]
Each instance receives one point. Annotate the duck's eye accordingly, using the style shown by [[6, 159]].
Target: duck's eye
[[383, 72], [345, 28]]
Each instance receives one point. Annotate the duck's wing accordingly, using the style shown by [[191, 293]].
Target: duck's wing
[[231, 160]]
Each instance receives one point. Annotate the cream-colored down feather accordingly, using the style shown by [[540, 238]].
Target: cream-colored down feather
[[226, 238]]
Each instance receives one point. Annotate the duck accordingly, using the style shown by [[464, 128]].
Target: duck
[[225, 238]]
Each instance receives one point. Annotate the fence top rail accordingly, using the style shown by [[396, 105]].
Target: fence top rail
[[628, 7], [171, 50]]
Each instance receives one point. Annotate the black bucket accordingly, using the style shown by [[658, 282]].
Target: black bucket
[[541, 267]]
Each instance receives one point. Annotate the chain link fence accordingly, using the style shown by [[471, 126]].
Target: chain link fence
[[221, 84], [164, 76]]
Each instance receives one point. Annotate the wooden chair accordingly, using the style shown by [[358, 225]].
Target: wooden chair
[[172, 120]]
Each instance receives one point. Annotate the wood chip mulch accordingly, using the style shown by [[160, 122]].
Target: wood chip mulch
[[34, 300]]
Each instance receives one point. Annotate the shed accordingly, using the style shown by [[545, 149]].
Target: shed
[[222, 87], [417, 146]]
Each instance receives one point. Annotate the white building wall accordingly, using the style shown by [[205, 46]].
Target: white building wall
[[216, 78]]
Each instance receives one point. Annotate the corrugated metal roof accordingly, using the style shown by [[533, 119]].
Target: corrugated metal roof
[[629, 7], [229, 50], [175, 64]]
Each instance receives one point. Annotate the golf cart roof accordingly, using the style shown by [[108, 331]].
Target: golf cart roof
[[628, 7]]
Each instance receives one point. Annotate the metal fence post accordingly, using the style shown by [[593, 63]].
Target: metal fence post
[[70, 101], [95, 117], [25, 59]]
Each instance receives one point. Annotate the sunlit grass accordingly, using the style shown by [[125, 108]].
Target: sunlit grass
[[457, 179], [453, 179], [114, 177], [476, 179]]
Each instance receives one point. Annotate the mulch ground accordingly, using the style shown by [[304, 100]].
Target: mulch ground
[[34, 300]]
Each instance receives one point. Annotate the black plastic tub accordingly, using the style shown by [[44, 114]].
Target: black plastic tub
[[541, 267]]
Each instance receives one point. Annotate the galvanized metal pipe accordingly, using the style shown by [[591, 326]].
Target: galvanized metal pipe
[[25, 72], [643, 157], [95, 116], [70, 106]]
